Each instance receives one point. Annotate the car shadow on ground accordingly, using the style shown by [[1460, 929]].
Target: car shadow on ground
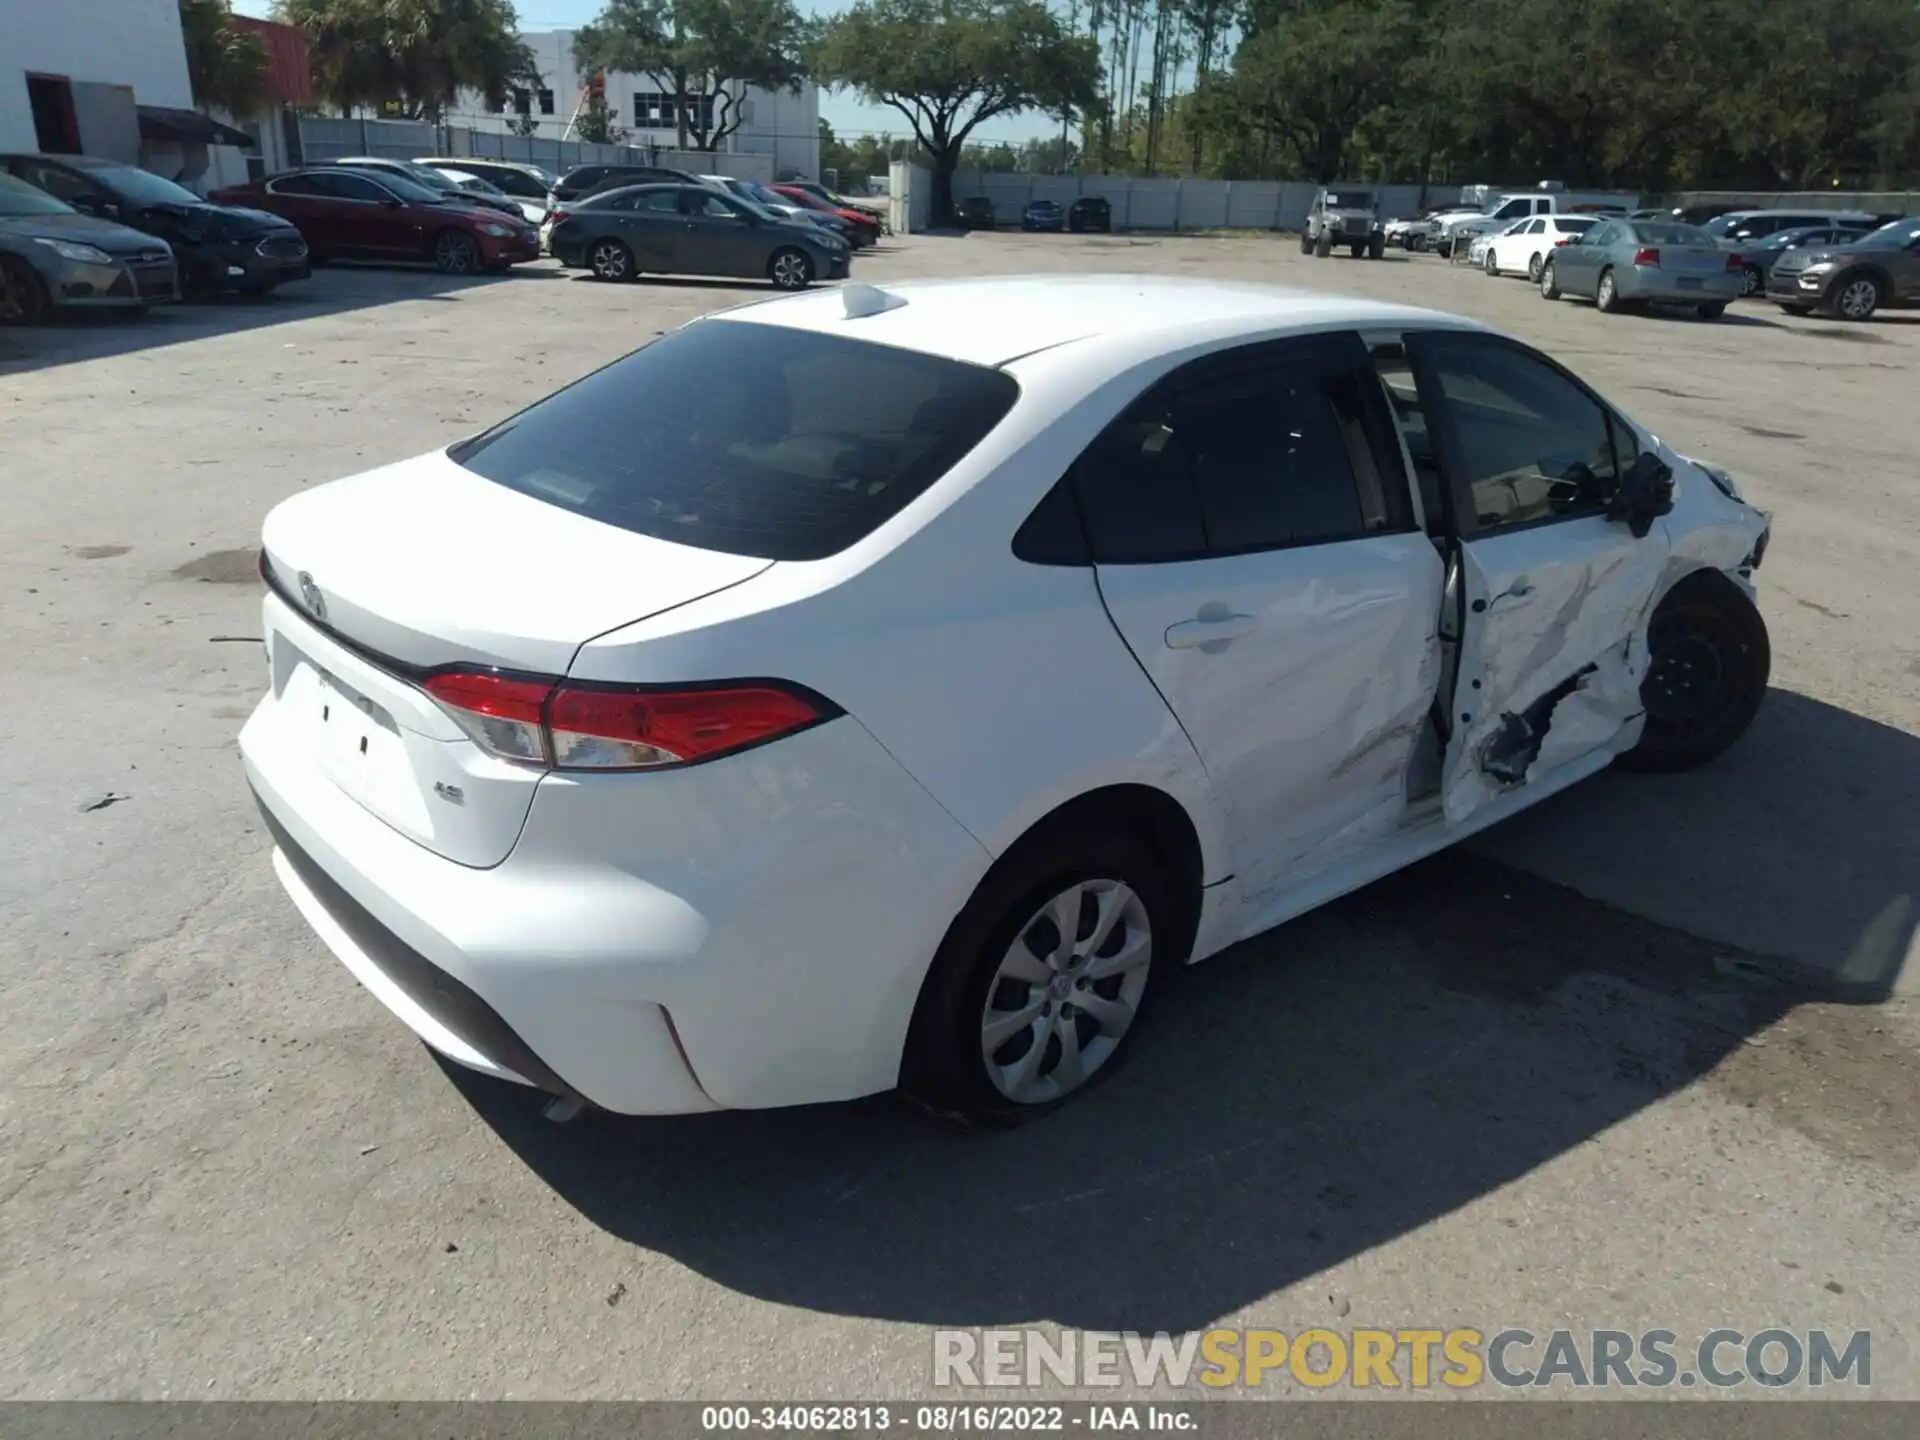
[[337, 289], [1307, 1096]]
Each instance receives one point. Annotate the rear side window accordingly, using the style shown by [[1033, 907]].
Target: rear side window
[[749, 439]]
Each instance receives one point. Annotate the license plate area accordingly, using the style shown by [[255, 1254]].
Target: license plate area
[[354, 740], [1690, 282]]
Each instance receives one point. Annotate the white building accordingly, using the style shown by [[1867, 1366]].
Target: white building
[[782, 125], [73, 71]]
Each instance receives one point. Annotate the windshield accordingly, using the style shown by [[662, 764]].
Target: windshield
[[1349, 200], [1897, 236], [1575, 224], [761, 440], [143, 187], [19, 198]]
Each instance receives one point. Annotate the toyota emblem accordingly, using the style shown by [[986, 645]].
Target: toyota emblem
[[310, 592]]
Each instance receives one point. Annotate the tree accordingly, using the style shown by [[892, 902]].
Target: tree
[[703, 53], [226, 64], [421, 53], [951, 65], [594, 124]]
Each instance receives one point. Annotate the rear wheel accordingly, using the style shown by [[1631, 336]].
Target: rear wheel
[[1534, 267], [1306, 243], [611, 261], [1752, 282], [1856, 297], [1041, 979], [1377, 246], [455, 253], [790, 269], [1490, 262], [1549, 282], [1323, 246], [1709, 659], [23, 299], [1606, 295]]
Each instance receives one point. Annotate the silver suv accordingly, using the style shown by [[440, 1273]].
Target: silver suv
[[1341, 216]]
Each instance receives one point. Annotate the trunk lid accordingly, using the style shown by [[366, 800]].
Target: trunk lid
[[422, 565], [1692, 259]]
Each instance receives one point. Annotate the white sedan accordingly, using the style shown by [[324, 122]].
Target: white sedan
[[882, 688], [1522, 249]]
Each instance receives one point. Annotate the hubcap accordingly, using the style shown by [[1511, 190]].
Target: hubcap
[[1546, 279], [1606, 292], [1750, 285], [1066, 991], [1858, 299], [610, 261], [789, 271], [1533, 267], [454, 254]]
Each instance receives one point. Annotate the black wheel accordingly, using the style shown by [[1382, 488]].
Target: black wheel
[[1323, 246], [1534, 267], [23, 299], [1710, 312], [1752, 282], [1040, 981], [1709, 659], [1606, 295], [455, 253], [1549, 282], [1306, 243], [1377, 247], [610, 260], [1795, 309], [1856, 297], [790, 269]]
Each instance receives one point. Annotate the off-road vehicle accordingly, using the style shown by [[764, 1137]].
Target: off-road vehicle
[[1343, 217]]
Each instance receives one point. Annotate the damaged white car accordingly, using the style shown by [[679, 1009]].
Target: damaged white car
[[881, 688]]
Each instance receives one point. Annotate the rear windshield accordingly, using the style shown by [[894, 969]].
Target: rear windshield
[[749, 439], [1656, 232]]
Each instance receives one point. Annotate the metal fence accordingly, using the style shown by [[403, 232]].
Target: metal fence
[[324, 139], [1179, 204]]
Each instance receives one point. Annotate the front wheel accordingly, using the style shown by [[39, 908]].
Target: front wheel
[[1708, 662], [1856, 297], [1306, 243], [23, 299], [455, 253], [611, 261], [1041, 978], [1377, 247], [1549, 282], [790, 269], [1323, 247]]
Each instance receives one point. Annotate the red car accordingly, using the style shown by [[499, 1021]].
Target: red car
[[865, 227], [355, 214]]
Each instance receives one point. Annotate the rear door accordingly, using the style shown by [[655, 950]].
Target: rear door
[[1553, 592], [654, 229], [1256, 545], [717, 240], [361, 218]]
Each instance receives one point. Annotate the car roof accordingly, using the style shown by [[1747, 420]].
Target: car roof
[[993, 320], [1796, 210]]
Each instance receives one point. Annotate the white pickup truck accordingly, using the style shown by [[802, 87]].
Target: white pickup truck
[[1444, 231]]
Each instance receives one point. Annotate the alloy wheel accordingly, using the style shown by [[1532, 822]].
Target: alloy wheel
[[1066, 992], [1533, 269], [1750, 282], [1858, 299], [791, 270], [454, 253], [609, 260]]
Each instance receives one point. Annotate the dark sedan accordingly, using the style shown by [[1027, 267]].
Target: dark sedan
[[1043, 215], [975, 213], [1851, 282], [217, 247], [585, 180], [693, 230], [1090, 212], [54, 258], [360, 215]]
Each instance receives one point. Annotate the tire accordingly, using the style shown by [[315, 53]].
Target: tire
[[23, 298], [1752, 282], [1795, 309], [1549, 282], [1710, 312], [948, 1066], [456, 253], [1306, 243], [1855, 297], [1709, 662], [1490, 262], [1357, 250], [1606, 294], [790, 269], [611, 261], [1534, 266], [1323, 246], [1377, 246]]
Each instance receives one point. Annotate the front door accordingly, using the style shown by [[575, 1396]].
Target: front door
[[361, 221], [1554, 594], [1256, 545]]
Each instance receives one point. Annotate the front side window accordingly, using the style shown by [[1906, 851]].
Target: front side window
[[705, 202], [356, 187], [1533, 445], [749, 439], [297, 185]]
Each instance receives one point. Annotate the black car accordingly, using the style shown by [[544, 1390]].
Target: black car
[[1090, 212], [975, 213], [217, 247], [584, 180]]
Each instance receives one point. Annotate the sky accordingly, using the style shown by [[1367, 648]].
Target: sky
[[843, 111]]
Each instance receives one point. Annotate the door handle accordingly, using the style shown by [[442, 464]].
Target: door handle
[[1212, 631]]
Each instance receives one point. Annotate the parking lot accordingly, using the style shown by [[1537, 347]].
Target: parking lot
[[1645, 1058]]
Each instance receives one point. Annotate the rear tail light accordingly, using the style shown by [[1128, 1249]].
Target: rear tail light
[[620, 727], [556, 216], [1736, 261], [1647, 257]]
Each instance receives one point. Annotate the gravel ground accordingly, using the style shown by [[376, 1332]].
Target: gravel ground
[[1643, 1058]]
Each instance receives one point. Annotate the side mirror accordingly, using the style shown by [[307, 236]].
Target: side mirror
[[1644, 494]]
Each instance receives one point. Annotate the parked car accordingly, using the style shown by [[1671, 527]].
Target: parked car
[[693, 230], [526, 183], [353, 214], [534, 213], [1499, 209], [617, 789], [1043, 215], [1851, 281], [1090, 212], [863, 225], [584, 180], [1760, 256], [469, 191], [975, 212], [1418, 234], [758, 194], [1628, 264], [1739, 227], [53, 258], [1475, 253], [874, 210], [1523, 249], [216, 248]]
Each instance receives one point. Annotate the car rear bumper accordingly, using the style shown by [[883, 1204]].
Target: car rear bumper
[[1665, 287], [747, 933]]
